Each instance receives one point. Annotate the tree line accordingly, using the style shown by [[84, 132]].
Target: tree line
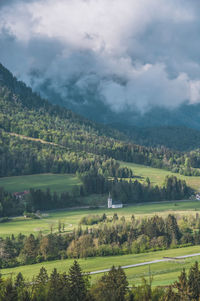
[[93, 183], [133, 191], [76, 286], [110, 236]]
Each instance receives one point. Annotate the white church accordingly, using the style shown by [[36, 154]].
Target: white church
[[115, 204]]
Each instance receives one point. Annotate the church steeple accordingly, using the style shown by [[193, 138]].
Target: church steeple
[[109, 201]]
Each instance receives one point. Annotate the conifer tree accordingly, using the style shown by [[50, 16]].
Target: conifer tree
[[22, 288], [194, 281], [143, 292], [42, 277], [170, 295], [182, 286], [112, 286], [39, 288], [78, 283], [58, 287], [10, 291], [29, 252], [19, 282], [172, 228]]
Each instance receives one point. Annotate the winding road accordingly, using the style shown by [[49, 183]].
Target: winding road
[[147, 263]]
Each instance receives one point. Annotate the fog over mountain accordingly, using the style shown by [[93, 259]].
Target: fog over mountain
[[106, 58]]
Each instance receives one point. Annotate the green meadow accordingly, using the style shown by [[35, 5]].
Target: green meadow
[[71, 218], [55, 182], [157, 176], [163, 273], [66, 182]]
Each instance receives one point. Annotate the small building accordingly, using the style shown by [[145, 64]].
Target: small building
[[198, 196], [114, 205], [20, 195], [117, 205]]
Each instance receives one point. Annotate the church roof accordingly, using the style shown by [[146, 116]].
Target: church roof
[[117, 203]]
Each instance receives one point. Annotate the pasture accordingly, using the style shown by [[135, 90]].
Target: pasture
[[55, 182], [163, 273], [157, 176], [66, 182], [71, 218]]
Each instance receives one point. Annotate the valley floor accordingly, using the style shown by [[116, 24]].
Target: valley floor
[[71, 218]]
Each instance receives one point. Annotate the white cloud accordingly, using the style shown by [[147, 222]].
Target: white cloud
[[194, 92], [136, 54]]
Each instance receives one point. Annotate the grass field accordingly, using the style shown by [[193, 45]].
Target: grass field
[[56, 182], [71, 218], [157, 176], [66, 182], [163, 273]]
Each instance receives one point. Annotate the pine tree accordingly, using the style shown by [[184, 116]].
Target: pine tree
[[112, 286], [59, 226], [170, 295], [19, 280], [194, 281], [22, 289], [29, 252], [58, 287], [78, 283], [42, 277], [172, 228], [143, 292], [182, 286], [132, 219], [115, 217], [10, 291], [39, 288]]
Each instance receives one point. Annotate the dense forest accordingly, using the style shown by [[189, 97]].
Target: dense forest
[[67, 137], [21, 157], [110, 236], [93, 183], [178, 138], [113, 286]]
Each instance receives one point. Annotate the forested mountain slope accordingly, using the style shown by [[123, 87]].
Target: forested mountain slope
[[78, 140], [173, 137], [23, 112], [38, 137]]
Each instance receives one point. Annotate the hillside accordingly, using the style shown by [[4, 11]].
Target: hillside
[[37, 136], [25, 113], [178, 129], [157, 176], [179, 138]]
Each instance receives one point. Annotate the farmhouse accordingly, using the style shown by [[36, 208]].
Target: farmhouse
[[114, 205], [20, 195]]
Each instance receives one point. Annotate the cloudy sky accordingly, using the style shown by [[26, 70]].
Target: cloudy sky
[[133, 54]]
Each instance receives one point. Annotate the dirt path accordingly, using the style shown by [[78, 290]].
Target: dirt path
[[148, 262], [35, 139]]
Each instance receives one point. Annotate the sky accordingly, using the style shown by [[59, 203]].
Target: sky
[[133, 55]]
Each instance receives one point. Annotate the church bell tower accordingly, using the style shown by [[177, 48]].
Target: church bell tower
[[109, 201]]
